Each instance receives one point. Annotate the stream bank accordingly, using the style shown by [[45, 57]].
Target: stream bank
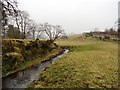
[[24, 77]]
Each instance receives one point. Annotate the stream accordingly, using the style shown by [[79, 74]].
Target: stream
[[24, 77]]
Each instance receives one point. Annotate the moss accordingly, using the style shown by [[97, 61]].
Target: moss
[[16, 52]]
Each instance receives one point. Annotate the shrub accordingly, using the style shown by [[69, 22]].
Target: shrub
[[11, 61], [7, 46]]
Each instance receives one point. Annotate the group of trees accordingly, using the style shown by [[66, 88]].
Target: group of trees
[[110, 30], [17, 24]]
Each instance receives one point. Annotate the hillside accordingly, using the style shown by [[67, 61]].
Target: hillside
[[91, 63]]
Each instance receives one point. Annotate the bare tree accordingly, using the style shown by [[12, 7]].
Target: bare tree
[[16, 21], [9, 8], [17, 18], [40, 31], [24, 16], [57, 32], [32, 28], [53, 32], [21, 20]]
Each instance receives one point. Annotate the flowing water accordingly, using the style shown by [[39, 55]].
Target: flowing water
[[22, 78]]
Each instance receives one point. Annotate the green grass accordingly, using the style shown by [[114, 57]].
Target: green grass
[[82, 48], [89, 64]]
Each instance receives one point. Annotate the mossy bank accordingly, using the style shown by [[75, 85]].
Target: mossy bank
[[19, 54]]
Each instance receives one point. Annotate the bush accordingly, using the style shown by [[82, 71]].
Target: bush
[[12, 57], [7, 46], [11, 61]]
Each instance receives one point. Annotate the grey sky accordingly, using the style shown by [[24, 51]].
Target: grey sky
[[75, 16], [119, 14]]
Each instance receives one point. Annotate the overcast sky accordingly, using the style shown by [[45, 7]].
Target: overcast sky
[[75, 16]]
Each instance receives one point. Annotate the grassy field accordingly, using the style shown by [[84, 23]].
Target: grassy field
[[90, 63]]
